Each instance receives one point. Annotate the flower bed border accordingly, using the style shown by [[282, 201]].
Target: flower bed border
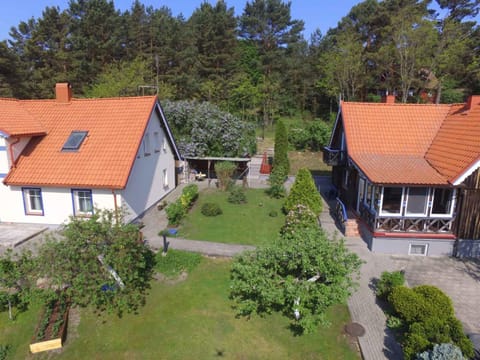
[[49, 343]]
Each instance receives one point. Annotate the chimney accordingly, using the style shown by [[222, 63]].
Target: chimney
[[473, 101], [388, 99], [63, 93]]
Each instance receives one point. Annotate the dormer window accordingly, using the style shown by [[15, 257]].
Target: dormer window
[[75, 140]]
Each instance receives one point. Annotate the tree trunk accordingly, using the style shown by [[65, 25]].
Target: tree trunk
[[439, 93]]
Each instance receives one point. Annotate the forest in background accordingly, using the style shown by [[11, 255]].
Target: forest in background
[[257, 65]]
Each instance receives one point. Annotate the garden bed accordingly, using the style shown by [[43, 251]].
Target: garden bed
[[51, 329]]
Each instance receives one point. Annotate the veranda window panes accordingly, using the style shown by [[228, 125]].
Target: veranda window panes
[[392, 200], [417, 200], [442, 201]]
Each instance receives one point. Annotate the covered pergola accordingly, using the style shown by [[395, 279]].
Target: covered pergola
[[206, 166]]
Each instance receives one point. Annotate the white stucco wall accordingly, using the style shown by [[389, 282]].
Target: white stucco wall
[[146, 182], [57, 204]]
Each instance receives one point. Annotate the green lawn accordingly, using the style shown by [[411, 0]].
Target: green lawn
[[248, 224], [192, 319]]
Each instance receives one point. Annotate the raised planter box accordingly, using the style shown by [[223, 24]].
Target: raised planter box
[[51, 339]]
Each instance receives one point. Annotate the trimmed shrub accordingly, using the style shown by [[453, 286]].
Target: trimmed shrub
[[442, 352], [276, 180], [436, 330], [407, 304], [175, 212], [394, 322], [224, 171], [413, 344], [304, 192], [211, 209], [299, 217], [273, 213], [237, 196], [389, 280], [280, 158], [189, 195], [437, 303]]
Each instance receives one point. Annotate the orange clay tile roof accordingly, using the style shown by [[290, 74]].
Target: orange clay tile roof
[[389, 141], [115, 129], [456, 146], [15, 120]]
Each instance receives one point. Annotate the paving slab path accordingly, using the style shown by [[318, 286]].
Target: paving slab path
[[459, 279]]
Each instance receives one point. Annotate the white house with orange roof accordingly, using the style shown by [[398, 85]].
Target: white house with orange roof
[[66, 157], [407, 175]]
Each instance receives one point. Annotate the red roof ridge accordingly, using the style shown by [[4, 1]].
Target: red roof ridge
[[396, 104]]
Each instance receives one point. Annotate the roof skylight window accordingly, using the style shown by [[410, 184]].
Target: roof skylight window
[[74, 140]]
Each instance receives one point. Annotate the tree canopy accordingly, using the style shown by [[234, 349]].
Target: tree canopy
[[258, 65], [300, 276]]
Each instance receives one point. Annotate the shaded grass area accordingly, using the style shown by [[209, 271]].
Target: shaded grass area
[[313, 161], [193, 319], [247, 224], [19, 333]]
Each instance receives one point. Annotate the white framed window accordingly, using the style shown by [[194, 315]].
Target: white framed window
[[417, 201], [443, 202], [392, 198], [165, 178], [418, 249], [146, 144], [165, 144], [82, 202], [156, 138], [32, 200]]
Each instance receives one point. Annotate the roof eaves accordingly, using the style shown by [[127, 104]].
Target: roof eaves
[[469, 170]]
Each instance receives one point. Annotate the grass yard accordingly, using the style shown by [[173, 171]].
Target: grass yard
[[310, 160], [247, 224], [191, 319]]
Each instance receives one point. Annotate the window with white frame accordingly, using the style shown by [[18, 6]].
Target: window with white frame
[[146, 144], [418, 249], [165, 178], [82, 202], [32, 198], [442, 203], [165, 143], [392, 200], [417, 201], [156, 137]]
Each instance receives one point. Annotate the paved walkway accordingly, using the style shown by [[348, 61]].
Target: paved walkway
[[155, 221], [459, 279]]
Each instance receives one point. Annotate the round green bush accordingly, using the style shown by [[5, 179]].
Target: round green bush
[[175, 212], [211, 209], [389, 280], [437, 303], [237, 196], [407, 304], [273, 213]]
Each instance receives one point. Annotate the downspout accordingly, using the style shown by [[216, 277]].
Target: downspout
[[115, 206], [10, 150]]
